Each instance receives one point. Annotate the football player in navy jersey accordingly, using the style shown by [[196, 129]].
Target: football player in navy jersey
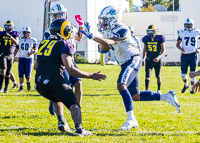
[[117, 36], [54, 55], [189, 38], [154, 49], [9, 39]]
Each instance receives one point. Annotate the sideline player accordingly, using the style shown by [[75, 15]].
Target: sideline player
[[154, 49], [189, 38], [117, 36], [137, 39], [52, 55], [9, 39], [196, 86], [27, 48]]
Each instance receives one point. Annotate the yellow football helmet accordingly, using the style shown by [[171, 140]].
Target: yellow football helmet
[[9, 26], [151, 30]]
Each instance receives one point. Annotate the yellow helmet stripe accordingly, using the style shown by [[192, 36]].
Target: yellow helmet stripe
[[11, 22], [153, 27], [62, 30]]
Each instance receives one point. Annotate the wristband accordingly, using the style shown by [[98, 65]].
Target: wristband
[[80, 25], [159, 56], [143, 60]]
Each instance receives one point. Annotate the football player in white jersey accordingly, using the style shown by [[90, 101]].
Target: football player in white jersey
[[59, 11], [189, 37], [117, 36], [27, 48], [137, 39]]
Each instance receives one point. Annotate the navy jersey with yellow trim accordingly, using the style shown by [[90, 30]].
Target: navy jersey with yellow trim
[[153, 45], [7, 47], [49, 57]]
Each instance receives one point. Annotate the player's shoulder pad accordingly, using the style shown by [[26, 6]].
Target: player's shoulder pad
[[47, 31], [145, 38], [179, 32], [120, 31], [68, 48], [161, 38], [198, 31], [15, 33], [34, 39]]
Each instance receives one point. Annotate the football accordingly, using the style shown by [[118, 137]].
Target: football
[[104, 47]]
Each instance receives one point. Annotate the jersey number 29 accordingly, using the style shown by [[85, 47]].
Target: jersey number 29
[[48, 47]]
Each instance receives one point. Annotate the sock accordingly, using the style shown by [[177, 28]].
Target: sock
[[6, 82], [61, 118], [28, 83], [127, 99], [149, 96], [130, 115], [159, 85], [163, 97], [22, 84], [147, 84], [1, 81], [186, 84], [78, 126], [191, 87], [15, 82]]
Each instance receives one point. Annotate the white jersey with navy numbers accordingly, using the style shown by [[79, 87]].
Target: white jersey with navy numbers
[[189, 40], [127, 47], [26, 46]]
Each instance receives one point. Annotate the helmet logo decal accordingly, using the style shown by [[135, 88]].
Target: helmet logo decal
[[112, 12], [64, 24]]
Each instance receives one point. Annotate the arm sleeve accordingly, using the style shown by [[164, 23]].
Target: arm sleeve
[[17, 47], [179, 38]]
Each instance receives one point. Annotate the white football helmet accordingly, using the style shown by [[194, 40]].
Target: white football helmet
[[189, 24], [26, 31], [58, 11], [108, 18], [132, 30]]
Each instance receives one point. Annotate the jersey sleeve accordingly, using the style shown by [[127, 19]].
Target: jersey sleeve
[[66, 48], [15, 34], [162, 39], [120, 32], [17, 47], [34, 42], [144, 39], [180, 34]]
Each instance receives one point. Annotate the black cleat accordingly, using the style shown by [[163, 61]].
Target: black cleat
[[184, 89], [82, 132], [51, 107], [15, 85], [21, 89], [6, 90], [192, 92], [28, 86], [64, 127]]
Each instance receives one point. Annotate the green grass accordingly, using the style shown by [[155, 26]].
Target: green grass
[[24, 116]]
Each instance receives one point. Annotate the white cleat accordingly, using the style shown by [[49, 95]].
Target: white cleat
[[159, 91], [172, 99], [129, 124]]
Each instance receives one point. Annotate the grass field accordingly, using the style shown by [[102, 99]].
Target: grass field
[[24, 116]]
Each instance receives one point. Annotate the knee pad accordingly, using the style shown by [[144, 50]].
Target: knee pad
[[193, 79], [184, 76]]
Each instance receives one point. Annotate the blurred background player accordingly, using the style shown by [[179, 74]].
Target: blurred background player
[[154, 49], [59, 11], [196, 86], [137, 39], [117, 36], [189, 38], [27, 48], [9, 39], [52, 55]]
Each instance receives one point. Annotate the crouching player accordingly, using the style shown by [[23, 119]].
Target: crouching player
[[52, 55], [27, 48]]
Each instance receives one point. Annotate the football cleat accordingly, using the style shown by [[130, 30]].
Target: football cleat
[[184, 89], [129, 124], [82, 132], [21, 89], [51, 108], [64, 127], [15, 85], [192, 92], [159, 91], [172, 99], [28, 86]]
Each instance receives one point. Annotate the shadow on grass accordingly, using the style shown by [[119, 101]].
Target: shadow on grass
[[100, 94], [19, 94]]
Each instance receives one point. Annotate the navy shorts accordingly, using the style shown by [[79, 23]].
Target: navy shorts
[[129, 74], [189, 60], [25, 67], [150, 64]]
